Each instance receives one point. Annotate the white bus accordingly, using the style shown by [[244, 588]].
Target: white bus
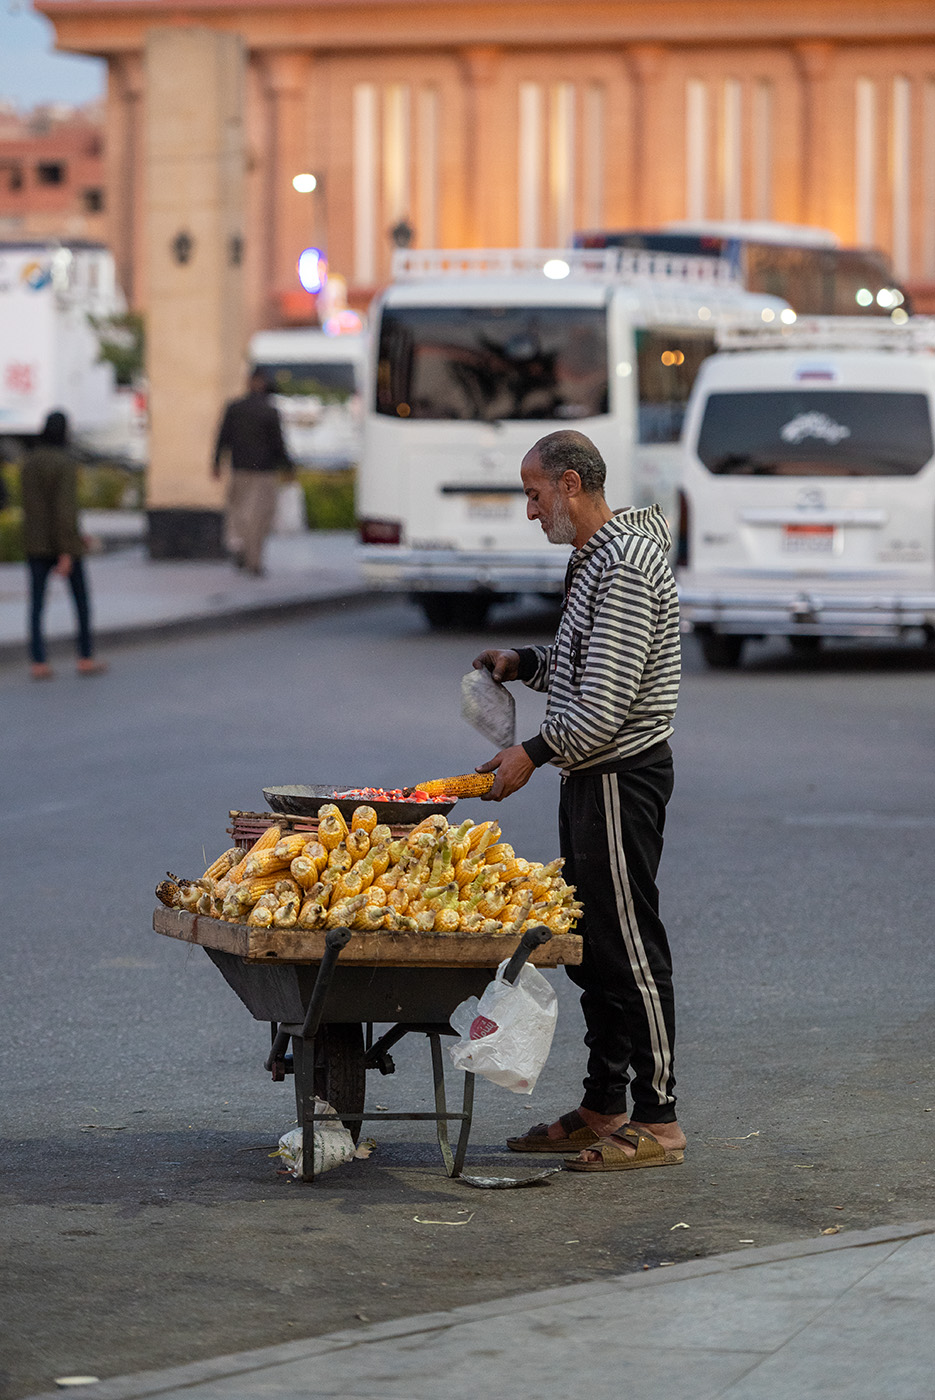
[[476, 354], [809, 486]]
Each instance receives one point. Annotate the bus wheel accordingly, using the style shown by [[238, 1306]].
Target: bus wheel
[[455, 611], [721, 650]]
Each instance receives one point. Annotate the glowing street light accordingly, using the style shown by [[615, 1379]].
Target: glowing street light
[[304, 183], [313, 269]]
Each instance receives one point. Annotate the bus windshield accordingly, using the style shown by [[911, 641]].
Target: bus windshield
[[488, 363], [816, 433]]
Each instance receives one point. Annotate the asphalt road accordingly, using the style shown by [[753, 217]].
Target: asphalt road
[[144, 1222]]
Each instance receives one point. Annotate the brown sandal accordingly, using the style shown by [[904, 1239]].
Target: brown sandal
[[577, 1136], [649, 1152]]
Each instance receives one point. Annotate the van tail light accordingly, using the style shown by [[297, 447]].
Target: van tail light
[[380, 532], [681, 543]]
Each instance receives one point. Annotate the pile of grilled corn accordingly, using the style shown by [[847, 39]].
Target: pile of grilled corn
[[436, 879]]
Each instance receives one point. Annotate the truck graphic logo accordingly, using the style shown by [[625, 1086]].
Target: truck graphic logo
[[813, 425]]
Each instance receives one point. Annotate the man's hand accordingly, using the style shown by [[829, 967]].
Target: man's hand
[[513, 766], [63, 567], [503, 666]]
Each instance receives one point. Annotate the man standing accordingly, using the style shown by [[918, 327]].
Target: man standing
[[612, 678], [251, 434]]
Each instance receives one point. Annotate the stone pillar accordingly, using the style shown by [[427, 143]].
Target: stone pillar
[[490, 221], [653, 134], [195, 326], [124, 157], [814, 58], [296, 220]]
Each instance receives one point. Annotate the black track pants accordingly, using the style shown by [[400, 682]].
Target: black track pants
[[610, 827]]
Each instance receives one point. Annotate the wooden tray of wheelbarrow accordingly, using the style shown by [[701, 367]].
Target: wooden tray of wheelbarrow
[[394, 949]]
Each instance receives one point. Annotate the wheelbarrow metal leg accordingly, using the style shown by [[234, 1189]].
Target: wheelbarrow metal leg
[[453, 1161]]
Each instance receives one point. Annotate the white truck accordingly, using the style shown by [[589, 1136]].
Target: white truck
[[50, 351], [808, 487], [477, 354]]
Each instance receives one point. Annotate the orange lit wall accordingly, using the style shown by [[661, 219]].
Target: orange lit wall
[[505, 122]]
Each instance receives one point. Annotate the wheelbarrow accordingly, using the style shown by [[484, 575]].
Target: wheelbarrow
[[323, 993]]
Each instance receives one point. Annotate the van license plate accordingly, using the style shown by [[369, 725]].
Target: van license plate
[[808, 539], [489, 507]]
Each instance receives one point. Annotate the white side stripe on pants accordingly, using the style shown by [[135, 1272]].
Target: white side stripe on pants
[[633, 942]]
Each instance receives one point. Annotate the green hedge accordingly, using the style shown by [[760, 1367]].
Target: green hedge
[[329, 499], [99, 487]]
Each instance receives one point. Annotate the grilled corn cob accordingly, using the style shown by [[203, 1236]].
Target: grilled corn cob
[[358, 843], [266, 842], [331, 831], [464, 785]]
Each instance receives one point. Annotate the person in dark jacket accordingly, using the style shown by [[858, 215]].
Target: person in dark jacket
[[53, 543], [251, 436]]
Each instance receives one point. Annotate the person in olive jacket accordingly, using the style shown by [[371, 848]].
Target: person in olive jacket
[[53, 543]]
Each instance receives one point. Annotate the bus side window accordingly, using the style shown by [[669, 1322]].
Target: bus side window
[[667, 359]]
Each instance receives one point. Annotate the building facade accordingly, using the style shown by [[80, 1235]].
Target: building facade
[[52, 173], [516, 122]]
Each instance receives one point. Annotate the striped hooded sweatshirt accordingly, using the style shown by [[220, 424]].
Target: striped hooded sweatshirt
[[612, 673]]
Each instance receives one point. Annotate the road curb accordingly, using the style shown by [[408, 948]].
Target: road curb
[[200, 624], [154, 1383]]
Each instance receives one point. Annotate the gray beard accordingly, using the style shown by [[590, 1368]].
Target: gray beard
[[560, 530]]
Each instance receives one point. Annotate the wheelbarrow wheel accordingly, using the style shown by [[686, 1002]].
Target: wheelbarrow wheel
[[340, 1077]]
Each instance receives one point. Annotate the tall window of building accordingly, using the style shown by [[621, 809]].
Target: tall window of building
[[562, 163], [696, 149], [530, 164], [427, 168], [865, 150], [732, 150], [365, 183], [900, 155], [397, 194]]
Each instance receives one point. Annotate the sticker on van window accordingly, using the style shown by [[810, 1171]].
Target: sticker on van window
[[813, 425]]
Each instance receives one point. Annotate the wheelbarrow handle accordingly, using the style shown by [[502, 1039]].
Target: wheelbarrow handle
[[532, 938], [335, 940]]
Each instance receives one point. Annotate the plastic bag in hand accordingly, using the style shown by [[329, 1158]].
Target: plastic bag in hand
[[506, 1035], [332, 1144], [489, 707]]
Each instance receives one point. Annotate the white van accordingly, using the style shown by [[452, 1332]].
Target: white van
[[476, 355], [809, 486], [318, 380]]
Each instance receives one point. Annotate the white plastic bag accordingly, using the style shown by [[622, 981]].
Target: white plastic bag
[[489, 707], [332, 1144], [507, 1034]]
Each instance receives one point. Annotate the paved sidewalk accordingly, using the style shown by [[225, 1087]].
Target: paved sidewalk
[[132, 595], [848, 1317]]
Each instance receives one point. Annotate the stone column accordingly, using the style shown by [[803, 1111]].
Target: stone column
[[486, 151], [815, 58], [124, 171], [195, 327], [295, 217], [653, 137]]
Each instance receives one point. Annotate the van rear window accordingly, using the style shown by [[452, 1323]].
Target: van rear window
[[828, 432], [489, 363]]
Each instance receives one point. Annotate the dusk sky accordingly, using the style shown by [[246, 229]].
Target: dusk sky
[[32, 72]]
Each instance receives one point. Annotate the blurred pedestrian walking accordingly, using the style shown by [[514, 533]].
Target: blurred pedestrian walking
[[53, 542], [251, 436]]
